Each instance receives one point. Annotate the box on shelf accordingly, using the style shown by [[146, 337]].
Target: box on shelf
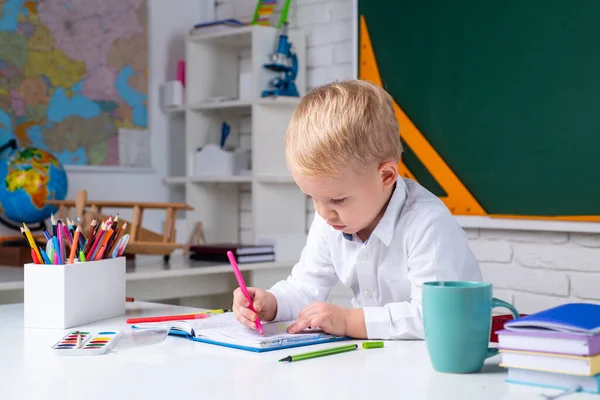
[[64, 296], [213, 160], [171, 94]]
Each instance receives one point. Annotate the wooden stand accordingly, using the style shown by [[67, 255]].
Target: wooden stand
[[196, 237], [141, 241]]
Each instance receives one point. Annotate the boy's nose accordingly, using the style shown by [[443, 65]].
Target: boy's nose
[[327, 214]]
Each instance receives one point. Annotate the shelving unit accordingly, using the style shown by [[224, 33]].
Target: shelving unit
[[213, 69]]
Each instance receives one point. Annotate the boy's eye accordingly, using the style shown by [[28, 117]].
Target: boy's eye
[[338, 201]]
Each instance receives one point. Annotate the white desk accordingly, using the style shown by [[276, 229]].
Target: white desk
[[182, 369], [150, 279]]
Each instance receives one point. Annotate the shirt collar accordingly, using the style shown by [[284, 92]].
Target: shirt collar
[[387, 224]]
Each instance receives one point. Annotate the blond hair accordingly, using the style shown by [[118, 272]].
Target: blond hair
[[349, 124]]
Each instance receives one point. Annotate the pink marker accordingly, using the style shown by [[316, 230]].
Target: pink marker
[[240, 279]]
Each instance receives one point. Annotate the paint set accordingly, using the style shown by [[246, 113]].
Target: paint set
[[84, 343]]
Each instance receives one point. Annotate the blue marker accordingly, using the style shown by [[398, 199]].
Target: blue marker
[[225, 129]]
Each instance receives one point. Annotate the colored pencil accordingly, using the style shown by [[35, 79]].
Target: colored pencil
[[166, 318], [116, 237], [32, 242], [320, 353], [74, 245], [53, 221], [103, 239]]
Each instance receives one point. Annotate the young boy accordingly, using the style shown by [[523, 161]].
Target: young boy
[[381, 235]]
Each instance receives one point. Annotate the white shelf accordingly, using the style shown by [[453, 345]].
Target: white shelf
[[174, 110], [180, 180], [219, 105], [232, 37], [215, 61], [175, 180], [220, 179], [279, 101], [274, 179]]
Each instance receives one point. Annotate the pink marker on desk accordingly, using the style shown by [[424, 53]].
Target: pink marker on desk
[[240, 279]]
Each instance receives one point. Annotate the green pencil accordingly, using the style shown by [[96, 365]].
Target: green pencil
[[320, 353]]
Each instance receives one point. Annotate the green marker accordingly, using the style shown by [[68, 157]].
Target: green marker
[[372, 345], [81, 256], [320, 353]]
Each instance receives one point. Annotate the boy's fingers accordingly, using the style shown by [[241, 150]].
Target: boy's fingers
[[310, 309], [239, 298], [299, 325], [245, 321], [247, 313]]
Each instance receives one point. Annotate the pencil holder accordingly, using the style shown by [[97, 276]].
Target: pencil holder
[[64, 296]]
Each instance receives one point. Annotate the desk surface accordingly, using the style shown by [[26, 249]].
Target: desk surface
[[151, 267], [181, 369]]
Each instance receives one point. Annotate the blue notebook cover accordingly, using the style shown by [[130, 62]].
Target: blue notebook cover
[[581, 318]]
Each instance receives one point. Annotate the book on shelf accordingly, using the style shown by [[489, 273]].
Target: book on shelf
[[225, 330], [235, 248], [222, 258], [244, 253]]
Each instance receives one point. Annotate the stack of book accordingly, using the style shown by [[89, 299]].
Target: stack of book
[[557, 348], [244, 254]]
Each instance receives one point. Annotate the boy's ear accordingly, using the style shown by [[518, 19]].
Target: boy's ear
[[388, 171]]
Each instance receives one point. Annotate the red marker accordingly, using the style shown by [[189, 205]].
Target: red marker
[[166, 318]]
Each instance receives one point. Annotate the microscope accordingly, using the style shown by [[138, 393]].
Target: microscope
[[285, 62]]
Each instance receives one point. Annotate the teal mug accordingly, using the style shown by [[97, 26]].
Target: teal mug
[[457, 318]]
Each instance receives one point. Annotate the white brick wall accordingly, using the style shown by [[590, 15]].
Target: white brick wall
[[537, 270], [532, 270]]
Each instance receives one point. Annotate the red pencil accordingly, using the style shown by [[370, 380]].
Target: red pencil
[[34, 257], [166, 318]]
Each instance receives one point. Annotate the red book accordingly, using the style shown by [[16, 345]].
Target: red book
[[498, 322]]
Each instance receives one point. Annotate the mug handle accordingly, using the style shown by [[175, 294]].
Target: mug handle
[[501, 303]]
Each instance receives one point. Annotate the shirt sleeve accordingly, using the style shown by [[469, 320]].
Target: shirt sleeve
[[438, 250], [311, 279]]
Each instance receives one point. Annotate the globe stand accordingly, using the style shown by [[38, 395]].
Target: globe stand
[[38, 226], [11, 144]]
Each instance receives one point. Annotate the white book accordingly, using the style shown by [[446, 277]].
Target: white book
[[225, 330]]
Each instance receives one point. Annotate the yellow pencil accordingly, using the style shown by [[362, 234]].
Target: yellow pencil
[[32, 242]]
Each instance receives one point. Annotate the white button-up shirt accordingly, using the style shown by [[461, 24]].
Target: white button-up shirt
[[417, 240]]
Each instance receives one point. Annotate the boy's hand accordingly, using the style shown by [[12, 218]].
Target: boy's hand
[[328, 317], [265, 304]]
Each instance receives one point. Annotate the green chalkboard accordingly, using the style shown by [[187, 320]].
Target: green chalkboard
[[507, 92]]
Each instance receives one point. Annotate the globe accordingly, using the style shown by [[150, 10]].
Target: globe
[[28, 177]]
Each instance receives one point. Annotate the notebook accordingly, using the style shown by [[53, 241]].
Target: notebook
[[225, 330], [236, 249], [589, 384], [549, 341], [582, 318], [550, 362]]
